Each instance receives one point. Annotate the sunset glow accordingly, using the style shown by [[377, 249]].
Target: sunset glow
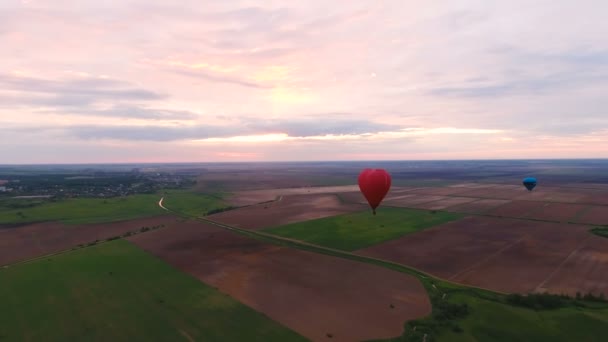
[[308, 80]]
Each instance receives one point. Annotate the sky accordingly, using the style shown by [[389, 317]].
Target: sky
[[236, 80]]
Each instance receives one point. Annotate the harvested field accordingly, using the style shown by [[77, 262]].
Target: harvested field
[[38, 239], [600, 199], [594, 215], [242, 198], [444, 203], [445, 191], [352, 197], [312, 294], [560, 212], [473, 185], [516, 208], [493, 193], [412, 199], [478, 207], [551, 196], [585, 270], [500, 254], [289, 209]]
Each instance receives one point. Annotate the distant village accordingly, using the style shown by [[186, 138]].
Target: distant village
[[91, 184]]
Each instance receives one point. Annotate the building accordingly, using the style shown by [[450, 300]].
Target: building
[[2, 189]]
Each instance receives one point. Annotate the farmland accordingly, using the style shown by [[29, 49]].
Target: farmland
[[359, 230], [289, 209], [38, 239], [117, 292], [443, 237], [89, 210], [312, 294], [504, 254]]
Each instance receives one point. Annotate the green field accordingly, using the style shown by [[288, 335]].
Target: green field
[[494, 321], [359, 230], [192, 203], [85, 210], [117, 292], [93, 210]]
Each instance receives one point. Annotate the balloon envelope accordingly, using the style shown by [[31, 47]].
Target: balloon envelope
[[374, 184], [529, 183]]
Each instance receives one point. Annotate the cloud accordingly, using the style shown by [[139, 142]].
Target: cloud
[[223, 69], [320, 126], [217, 78], [27, 90], [134, 112], [148, 133], [247, 127]]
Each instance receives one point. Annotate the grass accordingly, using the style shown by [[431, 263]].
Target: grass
[[359, 230], [192, 203], [117, 292], [94, 210]]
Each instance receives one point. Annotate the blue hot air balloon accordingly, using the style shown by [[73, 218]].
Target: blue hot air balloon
[[529, 183]]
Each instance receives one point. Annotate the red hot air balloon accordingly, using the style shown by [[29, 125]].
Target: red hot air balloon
[[374, 185]]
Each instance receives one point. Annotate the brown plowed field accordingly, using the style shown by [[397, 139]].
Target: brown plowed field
[[478, 207], [586, 270], [38, 239], [444, 203], [600, 199], [242, 198], [289, 209], [560, 212], [472, 185], [551, 196], [500, 254], [409, 200], [516, 208], [446, 249], [310, 293], [493, 193], [352, 197], [594, 215], [439, 191]]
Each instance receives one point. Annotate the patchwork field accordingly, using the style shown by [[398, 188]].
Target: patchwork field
[[33, 240], [313, 294], [290, 209], [117, 292], [563, 204], [504, 254]]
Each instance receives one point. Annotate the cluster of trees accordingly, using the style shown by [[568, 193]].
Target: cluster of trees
[[127, 234], [444, 315], [219, 210], [547, 301]]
